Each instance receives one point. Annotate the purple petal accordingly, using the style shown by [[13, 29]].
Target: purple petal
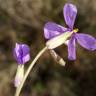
[[18, 53], [70, 12], [26, 55], [72, 49], [52, 29], [86, 41]]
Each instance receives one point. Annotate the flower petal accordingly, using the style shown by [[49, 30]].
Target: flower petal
[[26, 55], [72, 49], [18, 53], [86, 41], [52, 29], [70, 12]]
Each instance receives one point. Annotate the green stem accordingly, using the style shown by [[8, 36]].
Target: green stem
[[18, 90]]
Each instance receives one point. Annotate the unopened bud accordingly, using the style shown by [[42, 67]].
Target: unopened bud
[[57, 58]]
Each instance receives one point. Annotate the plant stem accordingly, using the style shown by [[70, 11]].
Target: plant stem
[[18, 90]]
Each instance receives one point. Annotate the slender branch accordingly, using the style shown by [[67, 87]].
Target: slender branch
[[18, 90]]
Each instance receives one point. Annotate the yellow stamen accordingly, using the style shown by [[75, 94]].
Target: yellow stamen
[[76, 30]]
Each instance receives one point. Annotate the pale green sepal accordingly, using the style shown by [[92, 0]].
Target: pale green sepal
[[58, 40], [19, 75]]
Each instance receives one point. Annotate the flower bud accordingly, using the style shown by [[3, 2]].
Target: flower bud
[[21, 53], [57, 58]]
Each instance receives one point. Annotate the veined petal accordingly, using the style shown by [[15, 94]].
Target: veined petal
[[72, 49], [86, 41], [52, 29], [70, 12]]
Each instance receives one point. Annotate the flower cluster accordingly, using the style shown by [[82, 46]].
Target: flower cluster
[[56, 36]]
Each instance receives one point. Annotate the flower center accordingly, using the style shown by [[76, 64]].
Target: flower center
[[75, 30]]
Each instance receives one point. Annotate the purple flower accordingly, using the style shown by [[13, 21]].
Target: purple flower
[[53, 30], [21, 53]]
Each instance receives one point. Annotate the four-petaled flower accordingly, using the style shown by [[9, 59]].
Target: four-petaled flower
[[21, 54], [53, 30]]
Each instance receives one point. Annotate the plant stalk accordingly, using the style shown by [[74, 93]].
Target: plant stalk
[[18, 90]]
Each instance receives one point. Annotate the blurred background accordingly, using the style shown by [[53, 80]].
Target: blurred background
[[23, 21]]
